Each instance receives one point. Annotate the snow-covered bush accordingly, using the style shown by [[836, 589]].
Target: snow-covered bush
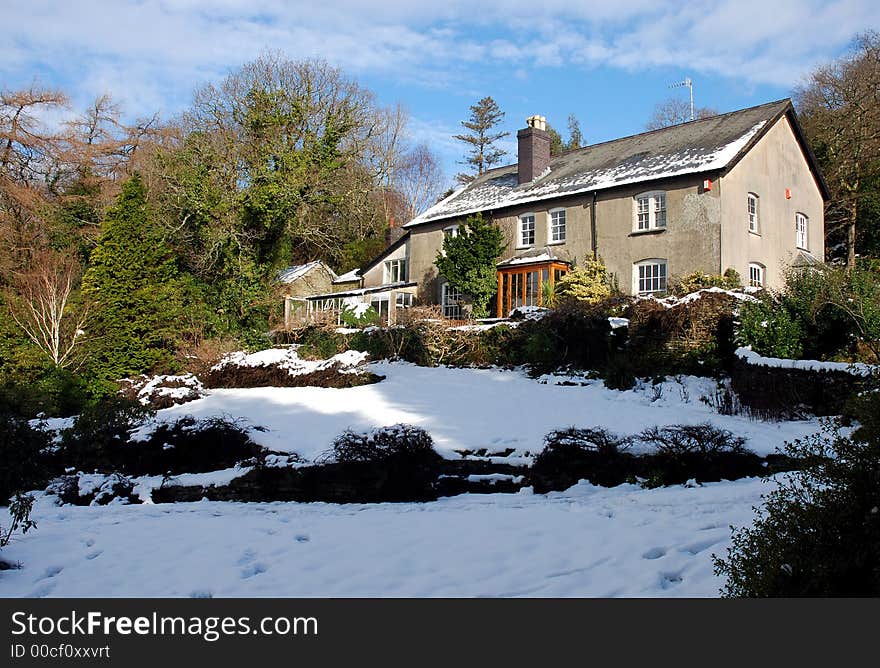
[[698, 280], [573, 454], [99, 432]]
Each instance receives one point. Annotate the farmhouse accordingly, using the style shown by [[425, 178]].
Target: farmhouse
[[735, 191]]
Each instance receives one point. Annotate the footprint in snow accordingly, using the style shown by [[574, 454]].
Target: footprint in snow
[[301, 538], [43, 590], [252, 570], [50, 572], [654, 553], [699, 546], [246, 557], [89, 542], [669, 580], [94, 555]]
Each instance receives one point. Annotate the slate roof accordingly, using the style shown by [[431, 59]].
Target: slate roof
[[706, 145]]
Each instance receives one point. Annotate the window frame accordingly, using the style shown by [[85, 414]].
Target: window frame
[[521, 230], [762, 276], [450, 231], [661, 277], [798, 218], [402, 269], [754, 218], [451, 311], [653, 199], [553, 227]]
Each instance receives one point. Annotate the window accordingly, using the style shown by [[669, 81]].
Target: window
[[756, 275], [752, 207], [450, 301], [650, 211], [800, 226], [403, 299], [527, 230], [649, 277], [395, 271], [451, 231], [557, 226]]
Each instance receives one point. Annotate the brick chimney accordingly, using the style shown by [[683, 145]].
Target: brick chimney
[[533, 149]]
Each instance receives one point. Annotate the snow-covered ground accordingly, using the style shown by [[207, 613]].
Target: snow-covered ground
[[472, 409], [587, 541]]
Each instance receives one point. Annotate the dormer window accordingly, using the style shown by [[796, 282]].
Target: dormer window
[[650, 211], [526, 230]]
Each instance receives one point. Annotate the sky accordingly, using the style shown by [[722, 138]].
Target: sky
[[609, 63]]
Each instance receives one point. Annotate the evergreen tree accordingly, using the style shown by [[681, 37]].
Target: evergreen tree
[[468, 261], [575, 136], [134, 283], [482, 151]]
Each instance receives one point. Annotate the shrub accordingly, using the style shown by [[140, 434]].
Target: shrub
[[572, 454], [318, 342], [189, 446], [699, 280], [22, 455], [399, 442], [769, 328], [620, 373], [20, 515], [588, 283], [99, 432], [818, 533], [354, 316], [683, 439]]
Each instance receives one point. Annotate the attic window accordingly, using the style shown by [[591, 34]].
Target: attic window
[[650, 211], [801, 223]]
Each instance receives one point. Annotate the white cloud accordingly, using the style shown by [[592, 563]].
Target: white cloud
[[152, 53]]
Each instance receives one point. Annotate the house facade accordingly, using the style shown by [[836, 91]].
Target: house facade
[[739, 190]]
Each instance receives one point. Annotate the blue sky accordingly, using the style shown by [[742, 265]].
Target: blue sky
[[609, 63]]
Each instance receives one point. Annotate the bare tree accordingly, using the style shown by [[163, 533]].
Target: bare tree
[[674, 111], [419, 180], [43, 310], [839, 108]]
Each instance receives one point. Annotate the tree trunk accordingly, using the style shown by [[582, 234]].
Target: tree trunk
[[851, 235]]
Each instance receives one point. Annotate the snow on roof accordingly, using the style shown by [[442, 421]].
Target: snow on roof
[[704, 145], [349, 277], [291, 274]]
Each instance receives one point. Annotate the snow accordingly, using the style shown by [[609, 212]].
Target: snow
[[854, 368], [292, 274], [470, 409], [617, 323], [586, 541], [287, 358], [672, 300], [348, 277], [542, 257]]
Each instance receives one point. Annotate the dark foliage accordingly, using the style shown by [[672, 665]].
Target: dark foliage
[[99, 434], [818, 533], [23, 460], [573, 454], [233, 375], [114, 487], [400, 442], [703, 439]]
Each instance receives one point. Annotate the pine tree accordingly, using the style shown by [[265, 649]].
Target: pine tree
[[483, 153], [468, 261], [134, 283], [575, 136]]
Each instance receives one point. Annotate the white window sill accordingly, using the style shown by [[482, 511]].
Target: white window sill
[[556, 243], [803, 248], [652, 230], [524, 247], [754, 234]]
